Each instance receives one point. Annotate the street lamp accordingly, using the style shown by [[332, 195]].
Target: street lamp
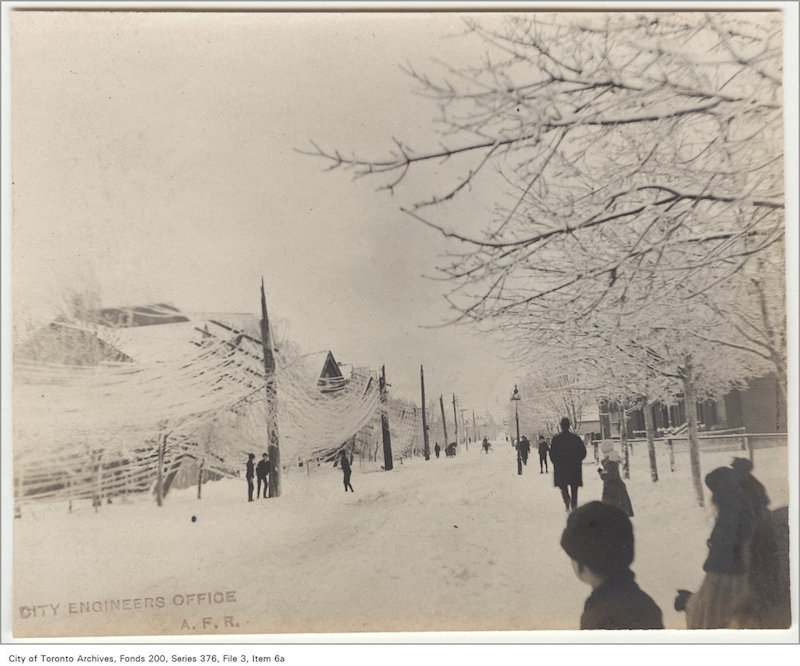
[[515, 399]]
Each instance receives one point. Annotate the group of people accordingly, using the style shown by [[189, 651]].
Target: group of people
[[746, 584], [567, 452], [261, 472]]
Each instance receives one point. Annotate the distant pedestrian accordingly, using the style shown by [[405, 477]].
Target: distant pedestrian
[[486, 445], [567, 452], [525, 449], [741, 588], [544, 447], [437, 449], [249, 475], [599, 540], [614, 490], [345, 463], [262, 474]]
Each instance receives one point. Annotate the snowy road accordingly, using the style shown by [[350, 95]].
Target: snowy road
[[462, 544]]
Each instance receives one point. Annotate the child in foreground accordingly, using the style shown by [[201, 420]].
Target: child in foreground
[[599, 539]]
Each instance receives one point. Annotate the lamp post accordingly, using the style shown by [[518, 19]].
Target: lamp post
[[515, 398]]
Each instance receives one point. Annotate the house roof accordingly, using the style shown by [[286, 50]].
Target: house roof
[[137, 315], [331, 378]]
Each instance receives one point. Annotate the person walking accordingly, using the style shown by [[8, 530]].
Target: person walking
[[345, 463], [262, 474], [249, 475], [615, 492], [567, 452], [485, 445], [544, 447], [599, 540], [437, 449], [525, 449]]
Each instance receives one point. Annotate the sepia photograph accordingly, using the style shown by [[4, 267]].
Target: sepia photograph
[[403, 324]]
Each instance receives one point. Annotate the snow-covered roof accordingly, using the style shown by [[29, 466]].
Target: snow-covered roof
[[171, 340]]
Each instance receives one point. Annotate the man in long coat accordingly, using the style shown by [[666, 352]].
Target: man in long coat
[[567, 452]]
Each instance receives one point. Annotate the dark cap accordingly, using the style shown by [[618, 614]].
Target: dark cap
[[599, 536], [565, 422]]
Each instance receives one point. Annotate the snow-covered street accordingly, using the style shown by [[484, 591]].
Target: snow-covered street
[[461, 544]]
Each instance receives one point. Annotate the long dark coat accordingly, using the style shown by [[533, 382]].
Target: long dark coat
[[567, 452], [614, 490]]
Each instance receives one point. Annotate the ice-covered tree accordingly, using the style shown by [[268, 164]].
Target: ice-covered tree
[[623, 174], [634, 146]]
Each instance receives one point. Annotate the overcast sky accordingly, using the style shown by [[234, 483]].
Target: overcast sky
[[154, 156]]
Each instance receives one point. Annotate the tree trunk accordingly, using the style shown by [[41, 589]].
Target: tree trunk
[[455, 422], [649, 429], [691, 420], [200, 479], [623, 438]]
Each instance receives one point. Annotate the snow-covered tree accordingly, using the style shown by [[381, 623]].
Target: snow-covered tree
[[634, 166], [633, 147]]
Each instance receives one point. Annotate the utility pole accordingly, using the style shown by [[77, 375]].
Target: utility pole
[[427, 444], [464, 428], [515, 397], [387, 435], [273, 449], [474, 428], [444, 423]]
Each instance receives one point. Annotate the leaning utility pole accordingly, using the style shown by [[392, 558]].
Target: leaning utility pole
[[444, 422], [273, 450], [387, 435], [427, 445]]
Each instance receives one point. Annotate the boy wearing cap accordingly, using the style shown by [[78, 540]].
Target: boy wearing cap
[[599, 539]]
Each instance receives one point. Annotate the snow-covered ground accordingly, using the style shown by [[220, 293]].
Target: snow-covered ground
[[461, 544]]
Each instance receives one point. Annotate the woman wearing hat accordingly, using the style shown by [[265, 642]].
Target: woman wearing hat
[[741, 567]]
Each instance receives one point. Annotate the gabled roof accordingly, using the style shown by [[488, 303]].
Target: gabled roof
[[330, 369], [331, 378]]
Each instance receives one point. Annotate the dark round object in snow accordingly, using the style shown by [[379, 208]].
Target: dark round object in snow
[[194, 519]]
